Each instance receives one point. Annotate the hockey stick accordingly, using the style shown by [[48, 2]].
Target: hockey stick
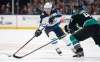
[[19, 57]]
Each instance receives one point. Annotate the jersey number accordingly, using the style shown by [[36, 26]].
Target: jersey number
[[85, 14]]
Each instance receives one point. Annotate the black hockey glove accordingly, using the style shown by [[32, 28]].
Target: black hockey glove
[[69, 30], [38, 33], [66, 29], [51, 20], [72, 30]]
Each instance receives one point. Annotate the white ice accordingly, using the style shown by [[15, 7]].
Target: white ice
[[12, 40]]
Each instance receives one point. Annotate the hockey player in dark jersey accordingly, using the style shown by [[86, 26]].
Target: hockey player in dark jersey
[[50, 20], [89, 28]]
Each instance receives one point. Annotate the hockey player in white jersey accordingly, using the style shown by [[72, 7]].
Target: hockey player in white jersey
[[50, 21]]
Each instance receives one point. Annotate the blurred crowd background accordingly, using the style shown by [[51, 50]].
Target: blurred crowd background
[[34, 7]]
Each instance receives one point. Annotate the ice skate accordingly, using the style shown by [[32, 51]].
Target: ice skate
[[78, 51], [59, 51], [78, 55]]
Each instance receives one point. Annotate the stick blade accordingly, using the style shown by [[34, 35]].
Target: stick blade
[[18, 57]]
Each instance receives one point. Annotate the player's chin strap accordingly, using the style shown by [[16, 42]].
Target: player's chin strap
[[19, 57]]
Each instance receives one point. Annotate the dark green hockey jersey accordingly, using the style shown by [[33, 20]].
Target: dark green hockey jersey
[[81, 19]]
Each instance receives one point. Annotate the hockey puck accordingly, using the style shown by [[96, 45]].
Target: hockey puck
[[9, 55]]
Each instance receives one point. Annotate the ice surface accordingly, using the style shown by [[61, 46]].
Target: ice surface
[[11, 40]]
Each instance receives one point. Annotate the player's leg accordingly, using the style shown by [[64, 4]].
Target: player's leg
[[60, 34], [81, 35], [52, 36]]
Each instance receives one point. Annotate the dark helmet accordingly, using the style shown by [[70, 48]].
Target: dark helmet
[[78, 8]]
